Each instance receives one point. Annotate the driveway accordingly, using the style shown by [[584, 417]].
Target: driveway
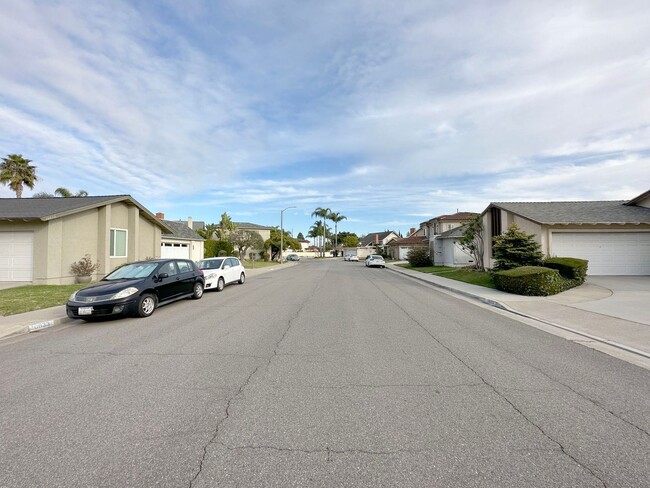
[[13, 284], [626, 297]]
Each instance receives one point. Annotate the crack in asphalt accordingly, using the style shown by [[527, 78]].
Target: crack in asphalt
[[212, 440], [494, 389], [540, 371], [327, 450]]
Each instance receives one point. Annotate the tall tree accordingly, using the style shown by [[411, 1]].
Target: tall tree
[[243, 240], [65, 193], [226, 226], [300, 236], [472, 241], [322, 213], [336, 217], [16, 172], [273, 242]]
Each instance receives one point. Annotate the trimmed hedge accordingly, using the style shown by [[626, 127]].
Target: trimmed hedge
[[530, 281], [573, 269]]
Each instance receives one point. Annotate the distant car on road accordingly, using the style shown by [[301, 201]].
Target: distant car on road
[[220, 272], [375, 260], [138, 289], [354, 257], [293, 257]]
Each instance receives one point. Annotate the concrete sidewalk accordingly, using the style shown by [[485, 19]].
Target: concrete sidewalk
[[23, 323], [624, 326]]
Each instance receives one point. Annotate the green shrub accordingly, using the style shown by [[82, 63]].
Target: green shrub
[[530, 281], [214, 248], [418, 257], [515, 248], [573, 269]]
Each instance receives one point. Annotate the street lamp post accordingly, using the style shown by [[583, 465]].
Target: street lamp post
[[282, 230]]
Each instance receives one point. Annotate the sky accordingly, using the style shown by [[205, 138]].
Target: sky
[[389, 113]]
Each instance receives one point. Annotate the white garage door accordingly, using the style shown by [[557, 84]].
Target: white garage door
[[16, 250], [621, 253], [169, 250]]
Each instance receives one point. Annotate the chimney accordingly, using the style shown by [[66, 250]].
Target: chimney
[[190, 222], [160, 215], [412, 231], [376, 238]]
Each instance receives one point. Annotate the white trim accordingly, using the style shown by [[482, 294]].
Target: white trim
[[113, 244]]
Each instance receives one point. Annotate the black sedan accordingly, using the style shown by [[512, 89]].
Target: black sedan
[[137, 289]]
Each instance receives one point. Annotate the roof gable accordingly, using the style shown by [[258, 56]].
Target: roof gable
[[45, 209]]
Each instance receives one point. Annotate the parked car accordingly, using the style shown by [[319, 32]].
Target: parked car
[[220, 272], [375, 260], [354, 257], [293, 257], [138, 289]]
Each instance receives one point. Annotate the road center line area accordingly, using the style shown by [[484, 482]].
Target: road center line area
[[324, 374]]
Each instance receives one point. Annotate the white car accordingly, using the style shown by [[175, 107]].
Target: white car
[[354, 257], [219, 272], [375, 260]]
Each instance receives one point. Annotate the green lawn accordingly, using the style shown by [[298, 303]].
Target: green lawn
[[466, 275], [34, 297]]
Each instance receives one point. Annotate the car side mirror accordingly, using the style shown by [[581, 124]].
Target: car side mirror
[[227, 266], [162, 276]]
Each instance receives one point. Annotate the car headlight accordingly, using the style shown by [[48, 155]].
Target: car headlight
[[73, 297], [127, 292], [210, 276]]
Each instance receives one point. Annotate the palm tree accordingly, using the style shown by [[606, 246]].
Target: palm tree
[[15, 171], [336, 217], [317, 231], [323, 214], [65, 193]]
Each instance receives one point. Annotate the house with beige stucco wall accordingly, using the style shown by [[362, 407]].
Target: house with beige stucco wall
[[41, 237], [614, 236]]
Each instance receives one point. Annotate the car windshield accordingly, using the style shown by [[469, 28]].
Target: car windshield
[[210, 263], [132, 271], [375, 256]]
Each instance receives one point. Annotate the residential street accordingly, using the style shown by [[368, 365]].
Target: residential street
[[324, 374]]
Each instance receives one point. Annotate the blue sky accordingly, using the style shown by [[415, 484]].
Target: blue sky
[[388, 112]]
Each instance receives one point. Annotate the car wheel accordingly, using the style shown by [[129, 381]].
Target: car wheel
[[198, 291], [242, 278], [220, 284], [146, 305]]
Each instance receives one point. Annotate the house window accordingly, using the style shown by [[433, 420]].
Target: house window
[[495, 220], [118, 243]]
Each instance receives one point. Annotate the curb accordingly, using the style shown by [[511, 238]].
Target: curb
[[502, 306]]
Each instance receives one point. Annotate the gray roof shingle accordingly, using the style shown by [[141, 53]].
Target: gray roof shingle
[[45, 209], [181, 231], [603, 212], [48, 208]]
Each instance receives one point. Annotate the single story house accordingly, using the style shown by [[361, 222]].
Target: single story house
[[41, 237], [613, 235], [182, 242], [447, 250], [399, 248]]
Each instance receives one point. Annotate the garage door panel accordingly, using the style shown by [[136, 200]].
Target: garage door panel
[[608, 253], [16, 251]]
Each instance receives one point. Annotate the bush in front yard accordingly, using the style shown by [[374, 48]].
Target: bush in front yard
[[515, 248], [418, 257], [573, 269], [530, 281]]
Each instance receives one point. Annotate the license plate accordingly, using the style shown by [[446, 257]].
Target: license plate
[[85, 310]]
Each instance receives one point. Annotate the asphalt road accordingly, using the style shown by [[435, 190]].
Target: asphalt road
[[325, 374]]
